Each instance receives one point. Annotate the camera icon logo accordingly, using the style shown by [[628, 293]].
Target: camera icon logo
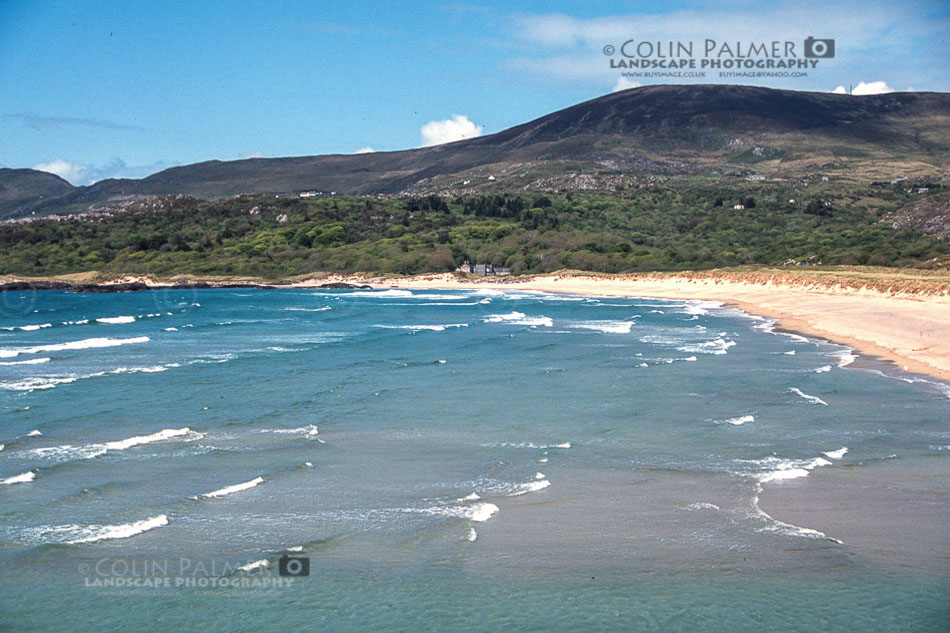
[[293, 566], [819, 48]]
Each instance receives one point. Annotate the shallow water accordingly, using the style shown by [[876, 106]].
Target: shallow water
[[473, 459]]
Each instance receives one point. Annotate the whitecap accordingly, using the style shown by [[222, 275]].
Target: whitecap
[[32, 361], [323, 309], [519, 318], [257, 564], [824, 369], [93, 533], [310, 431], [845, 357], [838, 454], [34, 433], [531, 445], [471, 536], [481, 512], [29, 328], [433, 328], [607, 327], [18, 479], [812, 399], [737, 421], [228, 490], [702, 505], [779, 469], [117, 320], [71, 345], [89, 451], [164, 434], [531, 486]]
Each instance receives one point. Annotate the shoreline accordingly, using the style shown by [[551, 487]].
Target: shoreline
[[912, 332], [904, 321]]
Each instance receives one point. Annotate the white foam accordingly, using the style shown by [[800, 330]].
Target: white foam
[[117, 320], [845, 357], [472, 497], [164, 434], [789, 353], [717, 346], [531, 445], [258, 564], [787, 529], [37, 382], [824, 369], [433, 328], [89, 451], [29, 328], [519, 318], [531, 486], [607, 327], [471, 536], [1, 446], [83, 344], [323, 309], [18, 479], [310, 431], [95, 533], [481, 512], [778, 469], [739, 421], [171, 329], [34, 433], [702, 505], [812, 399], [79, 322], [838, 454], [32, 361], [228, 490]]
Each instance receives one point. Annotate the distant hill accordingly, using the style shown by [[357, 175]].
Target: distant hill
[[21, 188], [698, 129]]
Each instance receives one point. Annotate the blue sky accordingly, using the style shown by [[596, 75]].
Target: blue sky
[[92, 90]]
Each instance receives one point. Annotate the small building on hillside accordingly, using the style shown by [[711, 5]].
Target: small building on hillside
[[738, 207]]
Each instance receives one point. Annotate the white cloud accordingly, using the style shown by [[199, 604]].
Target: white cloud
[[624, 84], [454, 129], [78, 174], [365, 150], [872, 88], [868, 88], [68, 171]]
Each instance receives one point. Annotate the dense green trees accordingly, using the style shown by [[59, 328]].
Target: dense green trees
[[669, 226]]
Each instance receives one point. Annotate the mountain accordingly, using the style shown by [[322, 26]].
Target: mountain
[[20, 188], [671, 130]]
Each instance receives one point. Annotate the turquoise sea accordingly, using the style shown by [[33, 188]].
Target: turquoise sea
[[297, 459]]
